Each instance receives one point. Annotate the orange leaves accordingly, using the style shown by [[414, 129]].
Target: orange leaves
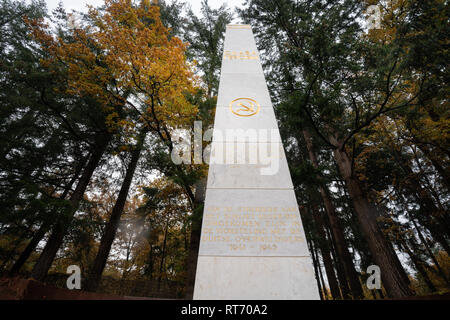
[[126, 61]]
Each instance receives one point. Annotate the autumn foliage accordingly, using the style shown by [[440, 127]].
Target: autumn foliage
[[88, 110]]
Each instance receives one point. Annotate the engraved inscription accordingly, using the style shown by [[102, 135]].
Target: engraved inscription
[[241, 55], [252, 230], [239, 26]]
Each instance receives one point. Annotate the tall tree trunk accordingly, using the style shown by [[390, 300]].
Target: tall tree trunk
[[39, 235], [150, 263], [418, 263], [194, 244], [109, 235], [14, 246], [380, 293], [440, 214], [319, 267], [393, 275], [163, 256], [59, 230], [374, 295], [439, 164], [343, 283], [31, 246], [430, 253], [437, 155], [428, 208], [325, 250], [336, 228], [316, 270]]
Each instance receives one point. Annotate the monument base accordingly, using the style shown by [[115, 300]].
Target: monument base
[[255, 278]]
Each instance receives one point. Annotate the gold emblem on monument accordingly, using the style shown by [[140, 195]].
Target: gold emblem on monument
[[239, 26], [245, 107], [241, 55]]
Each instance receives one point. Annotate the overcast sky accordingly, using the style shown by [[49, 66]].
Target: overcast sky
[[80, 5]]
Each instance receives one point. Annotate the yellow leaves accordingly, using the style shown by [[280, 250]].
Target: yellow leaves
[[126, 60], [435, 276], [392, 12], [124, 148], [112, 120], [437, 131]]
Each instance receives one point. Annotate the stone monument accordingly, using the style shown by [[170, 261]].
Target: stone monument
[[253, 245]]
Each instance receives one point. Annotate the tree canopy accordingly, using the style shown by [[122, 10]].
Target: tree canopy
[[89, 112]]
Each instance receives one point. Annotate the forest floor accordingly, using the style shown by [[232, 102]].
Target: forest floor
[[28, 289]]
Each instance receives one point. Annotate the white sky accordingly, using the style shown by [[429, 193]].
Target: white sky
[[80, 5]]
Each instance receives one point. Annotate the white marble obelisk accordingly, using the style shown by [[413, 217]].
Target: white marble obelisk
[[253, 245]]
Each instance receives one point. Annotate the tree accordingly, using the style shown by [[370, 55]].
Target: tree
[[205, 36], [45, 140], [135, 93], [343, 83]]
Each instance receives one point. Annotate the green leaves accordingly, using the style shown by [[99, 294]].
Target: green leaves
[[205, 36]]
